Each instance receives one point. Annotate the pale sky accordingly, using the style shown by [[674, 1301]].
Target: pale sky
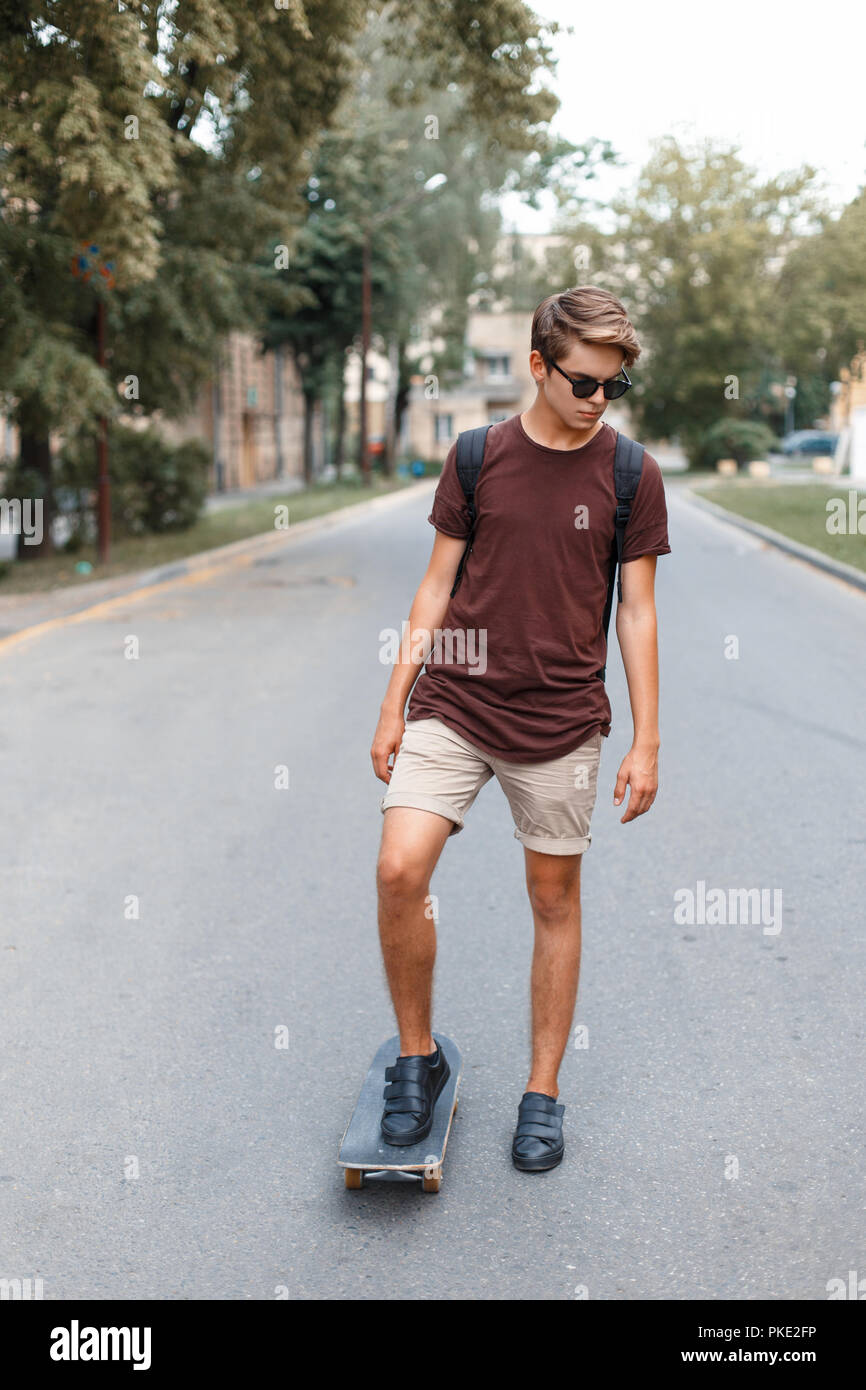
[[786, 81]]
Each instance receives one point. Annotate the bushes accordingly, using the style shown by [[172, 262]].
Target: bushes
[[155, 486], [742, 440]]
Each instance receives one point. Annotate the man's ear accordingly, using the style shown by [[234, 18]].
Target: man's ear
[[536, 361]]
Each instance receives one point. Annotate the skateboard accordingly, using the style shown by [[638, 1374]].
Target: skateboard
[[364, 1150]]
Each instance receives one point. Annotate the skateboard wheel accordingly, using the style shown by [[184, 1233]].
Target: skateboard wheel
[[431, 1184], [354, 1177]]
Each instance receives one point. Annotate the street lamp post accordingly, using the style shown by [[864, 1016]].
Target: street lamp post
[[434, 182]]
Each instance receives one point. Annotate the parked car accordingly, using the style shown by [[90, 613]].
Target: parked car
[[809, 443]]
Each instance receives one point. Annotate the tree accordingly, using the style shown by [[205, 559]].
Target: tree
[[436, 88], [696, 256], [820, 306], [72, 75], [323, 293], [172, 136], [179, 136]]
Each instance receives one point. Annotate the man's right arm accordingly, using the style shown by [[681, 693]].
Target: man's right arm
[[425, 616]]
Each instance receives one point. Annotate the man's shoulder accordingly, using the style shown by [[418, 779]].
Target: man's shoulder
[[649, 462], [498, 430], [500, 435]]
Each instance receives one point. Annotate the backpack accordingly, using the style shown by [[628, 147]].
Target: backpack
[[627, 465]]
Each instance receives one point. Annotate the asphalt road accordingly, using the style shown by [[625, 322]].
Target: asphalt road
[[157, 1143]]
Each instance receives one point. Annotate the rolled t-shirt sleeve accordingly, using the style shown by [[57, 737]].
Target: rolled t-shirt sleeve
[[647, 529], [450, 513]]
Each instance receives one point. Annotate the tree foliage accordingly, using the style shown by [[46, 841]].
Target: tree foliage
[[178, 137], [700, 252]]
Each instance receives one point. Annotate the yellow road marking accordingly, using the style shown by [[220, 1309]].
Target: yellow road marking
[[197, 576], [110, 605]]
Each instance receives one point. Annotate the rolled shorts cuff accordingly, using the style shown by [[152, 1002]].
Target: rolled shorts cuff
[[420, 801], [578, 844]]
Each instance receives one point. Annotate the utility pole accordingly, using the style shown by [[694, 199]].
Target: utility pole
[[278, 410], [391, 417], [84, 263], [363, 455], [791, 394], [103, 485]]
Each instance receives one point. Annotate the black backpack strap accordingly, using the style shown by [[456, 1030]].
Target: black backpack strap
[[470, 456], [627, 465]]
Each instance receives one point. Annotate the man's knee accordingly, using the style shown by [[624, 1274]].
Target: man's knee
[[555, 894], [399, 873]]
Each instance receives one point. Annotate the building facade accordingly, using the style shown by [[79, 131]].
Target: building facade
[[251, 416], [495, 385]]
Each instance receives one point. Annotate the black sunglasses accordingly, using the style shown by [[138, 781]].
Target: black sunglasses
[[582, 386]]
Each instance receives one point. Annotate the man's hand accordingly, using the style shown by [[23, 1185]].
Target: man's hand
[[387, 740], [638, 770]]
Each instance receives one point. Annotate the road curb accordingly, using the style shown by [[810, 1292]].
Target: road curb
[[856, 578], [199, 566]]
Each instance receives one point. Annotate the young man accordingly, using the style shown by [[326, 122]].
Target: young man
[[534, 710]]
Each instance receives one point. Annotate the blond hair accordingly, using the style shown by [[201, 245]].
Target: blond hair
[[585, 312]]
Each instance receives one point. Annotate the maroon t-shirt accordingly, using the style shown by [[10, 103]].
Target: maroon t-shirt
[[515, 669]]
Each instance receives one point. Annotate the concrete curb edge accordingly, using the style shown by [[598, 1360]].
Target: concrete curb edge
[[856, 578], [205, 563]]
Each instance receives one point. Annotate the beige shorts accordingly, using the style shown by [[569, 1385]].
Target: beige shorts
[[436, 769]]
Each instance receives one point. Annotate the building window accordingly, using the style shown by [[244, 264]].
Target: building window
[[444, 426], [495, 417], [498, 366]]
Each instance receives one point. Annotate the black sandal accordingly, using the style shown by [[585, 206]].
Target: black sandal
[[538, 1143], [410, 1100]]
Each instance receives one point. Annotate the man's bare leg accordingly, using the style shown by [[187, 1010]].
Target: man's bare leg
[[412, 841], [553, 884]]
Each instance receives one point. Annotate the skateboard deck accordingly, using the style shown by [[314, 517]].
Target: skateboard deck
[[364, 1149]]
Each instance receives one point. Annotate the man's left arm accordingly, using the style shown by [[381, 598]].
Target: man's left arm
[[636, 632]]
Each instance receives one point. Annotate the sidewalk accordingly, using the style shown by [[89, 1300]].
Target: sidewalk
[[274, 487], [214, 502]]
